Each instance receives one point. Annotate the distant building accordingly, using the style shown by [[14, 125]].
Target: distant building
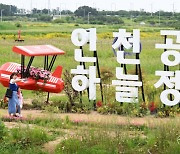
[[58, 16], [142, 23]]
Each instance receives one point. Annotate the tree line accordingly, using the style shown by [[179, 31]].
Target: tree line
[[82, 14]]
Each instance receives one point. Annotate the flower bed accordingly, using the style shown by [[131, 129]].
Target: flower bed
[[36, 73]]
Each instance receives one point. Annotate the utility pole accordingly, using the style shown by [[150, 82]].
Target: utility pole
[[173, 10], [31, 6], [88, 16], [159, 18], [48, 7], [1, 14], [151, 9], [131, 9], [113, 7]]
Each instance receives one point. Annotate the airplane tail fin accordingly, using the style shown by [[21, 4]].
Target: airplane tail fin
[[58, 72]]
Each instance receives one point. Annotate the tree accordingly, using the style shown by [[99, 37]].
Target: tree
[[45, 11], [8, 9], [84, 10]]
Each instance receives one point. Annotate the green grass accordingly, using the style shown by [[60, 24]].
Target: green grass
[[91, 137], [22, 140], [161, 140]]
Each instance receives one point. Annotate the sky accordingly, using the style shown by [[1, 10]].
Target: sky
[[111, 5]]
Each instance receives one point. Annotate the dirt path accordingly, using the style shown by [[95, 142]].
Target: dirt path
[[51, 146], [97, 118]]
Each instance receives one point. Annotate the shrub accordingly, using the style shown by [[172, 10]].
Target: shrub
[[76, 25], [167, 111], [59, 21], [51, 109], [4, 103], [44, 18], [62, 106], [137, 110], [80, 108], [37, 104], [69, 90], [18, 25]]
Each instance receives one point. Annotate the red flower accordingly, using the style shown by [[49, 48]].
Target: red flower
[[99, 104], [152, 107]]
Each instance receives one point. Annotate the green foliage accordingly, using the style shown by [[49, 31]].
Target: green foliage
[[81, 108], [3, 130], [44, 18], [84, 10], [167, 111], [90, 142], [18, 25], [39, 99], [134, 109], [7, 11], [129, 139], [49, 122], [69, 90], [22, 140], [51, 109], [3, 104], [59, 21], [25, 137]]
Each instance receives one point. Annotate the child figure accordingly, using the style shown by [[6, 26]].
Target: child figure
[[20, 105], [21, 100]]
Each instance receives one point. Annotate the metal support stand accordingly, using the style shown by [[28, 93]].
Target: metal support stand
[[166, 68], [52, 63], [139, 72], [84, 65], [46, 68], [47, 101], [22, 65], [28, 67], [99, 75]]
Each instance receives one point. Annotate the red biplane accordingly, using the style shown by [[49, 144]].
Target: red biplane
[[52, 84]]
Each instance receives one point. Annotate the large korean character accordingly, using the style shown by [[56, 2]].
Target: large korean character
[[127, 40], [169, 46], [127, 91], [169, 41], [81, 37], [81, 82], [167, 78]]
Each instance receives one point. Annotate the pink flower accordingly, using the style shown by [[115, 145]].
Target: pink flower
[[77, 121]]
